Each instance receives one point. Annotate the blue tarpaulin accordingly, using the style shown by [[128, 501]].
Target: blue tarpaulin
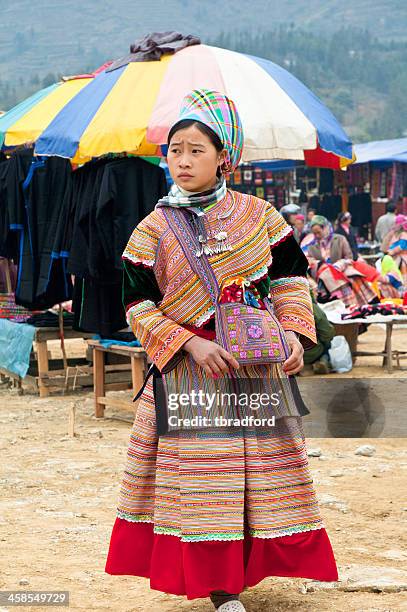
[[16, 340], [381, 151]]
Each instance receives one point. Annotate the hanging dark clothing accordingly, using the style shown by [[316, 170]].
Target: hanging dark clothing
[[85, 244], [314, 202], [34, 192], [128, 192], [36, 189], [152, 46], [360, 207], [98, 307], [96, 302], [19, 164], [8, 238], [326, 180], [331, 206], [110, 197]]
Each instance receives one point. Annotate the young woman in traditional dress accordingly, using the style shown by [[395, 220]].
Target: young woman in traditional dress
[[208, 512]]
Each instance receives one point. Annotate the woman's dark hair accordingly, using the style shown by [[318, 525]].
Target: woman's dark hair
[[186, 123], [343, 216], [213, 137]]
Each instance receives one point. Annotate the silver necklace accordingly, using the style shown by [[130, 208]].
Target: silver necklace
[[222, 245]]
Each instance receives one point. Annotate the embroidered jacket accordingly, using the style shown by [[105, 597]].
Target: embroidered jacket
[[166, 303]]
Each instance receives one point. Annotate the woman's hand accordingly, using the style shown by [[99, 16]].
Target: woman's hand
[[295, 362], [210, 356]]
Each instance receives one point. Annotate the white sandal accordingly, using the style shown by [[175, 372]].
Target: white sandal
[[232, 606]]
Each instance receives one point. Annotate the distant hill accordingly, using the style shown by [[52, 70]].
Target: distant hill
[[323, 42]]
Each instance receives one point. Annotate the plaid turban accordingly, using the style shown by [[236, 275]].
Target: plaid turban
[[219, 113]]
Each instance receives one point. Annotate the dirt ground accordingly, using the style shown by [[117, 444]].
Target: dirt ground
[[58, 498]]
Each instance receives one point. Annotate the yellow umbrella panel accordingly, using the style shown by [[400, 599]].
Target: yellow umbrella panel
[[120, 124], [32, 123]]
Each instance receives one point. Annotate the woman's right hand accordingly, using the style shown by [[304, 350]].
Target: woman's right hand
[[214, 359]]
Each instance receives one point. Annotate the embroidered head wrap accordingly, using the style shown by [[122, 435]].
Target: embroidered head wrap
[[219, 113], [324, 240], [319, 220]]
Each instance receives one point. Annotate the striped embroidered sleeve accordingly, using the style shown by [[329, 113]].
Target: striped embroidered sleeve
[[289, 288], [161, 337]]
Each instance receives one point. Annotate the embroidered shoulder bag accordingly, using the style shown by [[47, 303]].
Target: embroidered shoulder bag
[[252, 335]]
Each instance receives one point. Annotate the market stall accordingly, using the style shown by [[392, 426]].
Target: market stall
[[378, 175], [348, 323]]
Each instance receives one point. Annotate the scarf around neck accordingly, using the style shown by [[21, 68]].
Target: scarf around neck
[[178, 197], [195, 203]]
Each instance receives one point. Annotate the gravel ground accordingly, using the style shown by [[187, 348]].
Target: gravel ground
[[59, 494]]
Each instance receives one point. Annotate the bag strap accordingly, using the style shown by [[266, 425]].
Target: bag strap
[[181, 227]]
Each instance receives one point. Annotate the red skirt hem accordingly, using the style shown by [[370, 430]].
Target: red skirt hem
[[195, 569]]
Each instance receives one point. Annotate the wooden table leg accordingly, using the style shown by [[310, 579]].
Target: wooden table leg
[[388, 347], [43, 366], [99, 381], [137, 373]]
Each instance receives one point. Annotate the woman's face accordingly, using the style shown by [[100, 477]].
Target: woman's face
[[193, 160], [299, 224], [318, 231]]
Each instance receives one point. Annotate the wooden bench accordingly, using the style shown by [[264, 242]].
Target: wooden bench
[[50, 377], [388, 353], [138, 361]]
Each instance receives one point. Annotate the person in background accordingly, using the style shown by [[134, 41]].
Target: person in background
[[299, 225], [317, 357], [385, 222], [395, 245], [323, 244], [311, 212], [289, 213], [332, 267], [344, 228], [293, 217]]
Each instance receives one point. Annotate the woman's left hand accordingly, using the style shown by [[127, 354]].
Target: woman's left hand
[[295, 362]]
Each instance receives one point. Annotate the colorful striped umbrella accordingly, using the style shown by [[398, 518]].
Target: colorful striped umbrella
[[131, 109], [25, 122]]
